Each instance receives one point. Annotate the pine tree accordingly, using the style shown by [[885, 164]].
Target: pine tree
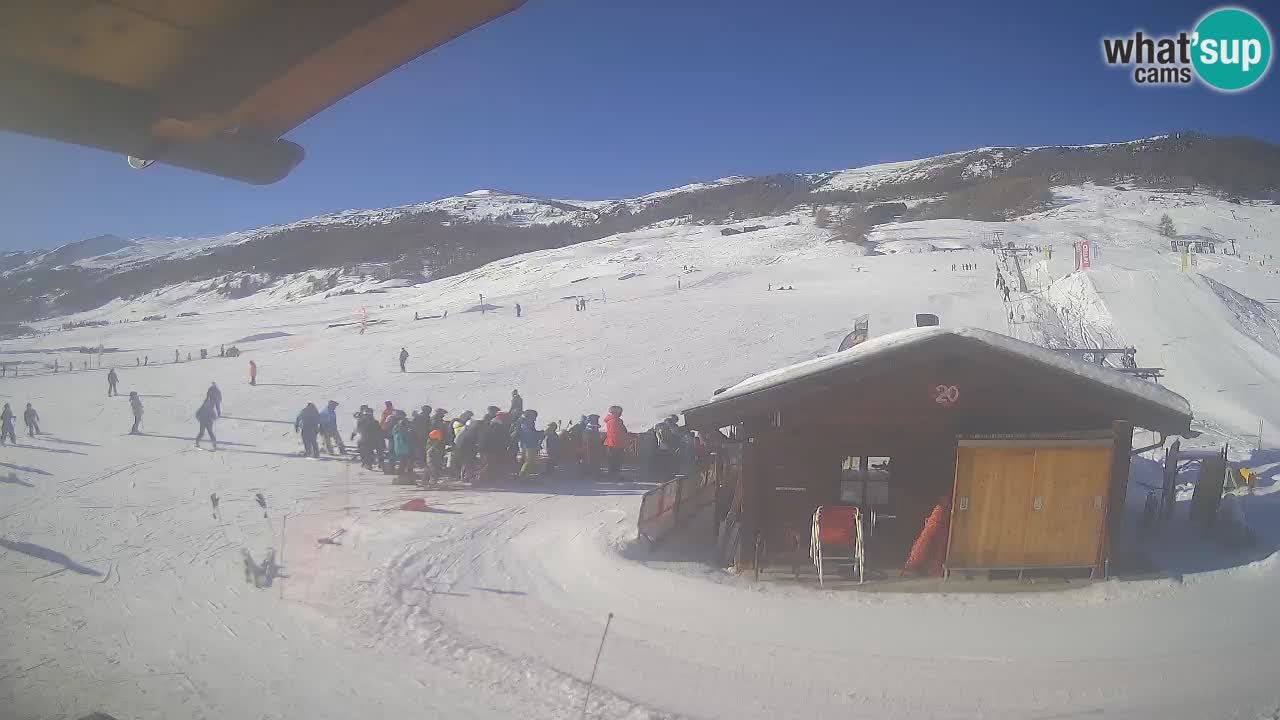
[[1166, 226], [821, 216], [854, 226]]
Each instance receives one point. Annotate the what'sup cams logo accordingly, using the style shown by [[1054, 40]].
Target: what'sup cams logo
[[1229, 50]]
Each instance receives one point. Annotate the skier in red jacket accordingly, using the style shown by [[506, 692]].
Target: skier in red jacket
[[615, 437]]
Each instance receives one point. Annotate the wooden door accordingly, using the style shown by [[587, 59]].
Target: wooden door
[[989, 508], [1068, 506]]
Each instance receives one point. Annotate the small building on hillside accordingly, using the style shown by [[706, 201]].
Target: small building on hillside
[[1027, 450]]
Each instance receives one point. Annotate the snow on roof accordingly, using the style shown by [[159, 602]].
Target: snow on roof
[[868, 351]]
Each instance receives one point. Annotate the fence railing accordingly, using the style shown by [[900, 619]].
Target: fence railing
[[666, 507]]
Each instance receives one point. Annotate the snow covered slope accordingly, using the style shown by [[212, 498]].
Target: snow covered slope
[[124, 591]]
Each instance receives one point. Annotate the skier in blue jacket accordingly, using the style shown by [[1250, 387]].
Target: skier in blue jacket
[[530, 440], [329, 428]]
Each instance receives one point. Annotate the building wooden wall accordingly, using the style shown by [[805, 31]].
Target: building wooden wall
[[1030, 504]]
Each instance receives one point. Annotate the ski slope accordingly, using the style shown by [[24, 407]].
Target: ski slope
[[1185, 327], [124, 591]]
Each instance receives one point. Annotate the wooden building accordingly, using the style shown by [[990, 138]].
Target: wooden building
[[1029, 447]]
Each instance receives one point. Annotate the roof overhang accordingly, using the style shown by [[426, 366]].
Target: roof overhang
[[1097, 391], [210, 85]]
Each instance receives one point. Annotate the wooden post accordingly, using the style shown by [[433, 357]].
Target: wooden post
[[1170, 488], [750, 519], [864, 466], [1120, 456], [675, 511]]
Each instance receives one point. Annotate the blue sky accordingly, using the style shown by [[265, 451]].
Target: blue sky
[[589, 99]]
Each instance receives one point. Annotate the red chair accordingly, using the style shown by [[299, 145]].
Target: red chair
[[837, 536]]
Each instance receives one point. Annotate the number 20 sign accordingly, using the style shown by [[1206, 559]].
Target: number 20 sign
[[946, 395]]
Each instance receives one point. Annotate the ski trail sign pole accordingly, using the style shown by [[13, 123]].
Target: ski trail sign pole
[[592, 681], [284, 522]]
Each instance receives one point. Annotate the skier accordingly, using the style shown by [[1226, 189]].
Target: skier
[[433, 471], [615, 437], [214, 395], [32, 419], [205, 417], [6, 425], [175, 356], [370, 443], [494, 446], [517, 404], [588, 431], [552, 439], [253, 373], [530, 441], [404, 358], [437, 421], [388, 411], [55, 366], [401, 447], [329, 428], [465, 445], [112, 380], [460, 424], [668, 447], [415, 315], [135, 404], [308, 423], [518, 310], [454, 437]]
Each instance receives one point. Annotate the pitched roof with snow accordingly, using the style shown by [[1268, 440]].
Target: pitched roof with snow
[[1139, 401]]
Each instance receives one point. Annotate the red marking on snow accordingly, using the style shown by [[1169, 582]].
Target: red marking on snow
[[416, 504]]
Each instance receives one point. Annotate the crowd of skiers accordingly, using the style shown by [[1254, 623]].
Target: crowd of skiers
[[482, 450], [429, 445]]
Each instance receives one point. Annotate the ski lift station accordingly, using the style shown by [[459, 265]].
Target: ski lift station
[[960, 448]]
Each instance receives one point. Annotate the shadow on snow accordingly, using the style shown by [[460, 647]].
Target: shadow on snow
[[44, 553]]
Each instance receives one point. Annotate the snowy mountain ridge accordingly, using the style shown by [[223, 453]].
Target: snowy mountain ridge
[[516, 208], [451, 235]]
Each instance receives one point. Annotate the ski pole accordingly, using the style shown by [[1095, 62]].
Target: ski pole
[[586, 699]]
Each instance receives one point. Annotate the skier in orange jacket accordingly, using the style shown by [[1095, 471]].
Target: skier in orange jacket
[[615, 437]]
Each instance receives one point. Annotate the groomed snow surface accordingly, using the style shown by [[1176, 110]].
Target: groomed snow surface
[[124, 591]]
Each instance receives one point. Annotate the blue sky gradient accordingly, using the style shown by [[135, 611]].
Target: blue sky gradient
[[588, 99]]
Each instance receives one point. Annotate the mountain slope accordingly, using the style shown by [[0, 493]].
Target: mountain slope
[[452, 235]]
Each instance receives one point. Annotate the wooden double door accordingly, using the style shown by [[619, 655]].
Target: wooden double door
[[1029, 504]]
